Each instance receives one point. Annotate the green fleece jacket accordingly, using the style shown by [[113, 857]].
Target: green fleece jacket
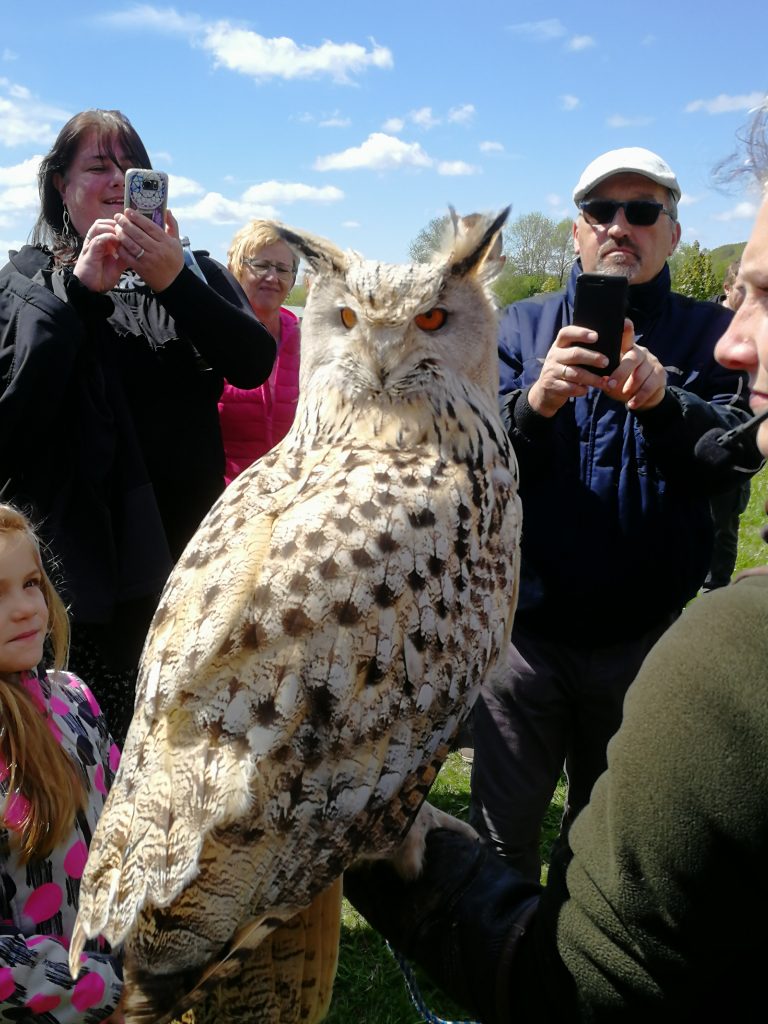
[[658, 911]]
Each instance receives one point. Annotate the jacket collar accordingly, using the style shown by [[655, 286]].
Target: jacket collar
[[29, 259]]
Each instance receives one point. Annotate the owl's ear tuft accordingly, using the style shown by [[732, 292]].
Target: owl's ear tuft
[[319, 253], [478, 238]]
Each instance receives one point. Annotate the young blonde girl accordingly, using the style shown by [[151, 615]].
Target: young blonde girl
[[56, 765]]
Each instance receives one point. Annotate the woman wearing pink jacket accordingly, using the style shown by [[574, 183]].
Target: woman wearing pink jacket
[[254, 420]]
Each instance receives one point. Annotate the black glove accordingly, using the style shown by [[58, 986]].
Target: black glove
[[460, 920]]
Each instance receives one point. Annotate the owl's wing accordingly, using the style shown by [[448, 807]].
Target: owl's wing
[[176, 781]]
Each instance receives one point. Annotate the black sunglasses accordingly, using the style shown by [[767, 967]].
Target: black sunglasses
[[641, 213]]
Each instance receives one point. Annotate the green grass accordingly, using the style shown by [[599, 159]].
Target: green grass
[[369, 988], [752, 548]]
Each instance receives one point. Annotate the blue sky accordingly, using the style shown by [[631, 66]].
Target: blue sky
[[362, 121]]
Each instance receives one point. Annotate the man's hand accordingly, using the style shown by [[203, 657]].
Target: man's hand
[[639, 380], [563, 375]]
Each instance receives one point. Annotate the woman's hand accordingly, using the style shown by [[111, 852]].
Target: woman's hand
[[102, 258], [154, 253]]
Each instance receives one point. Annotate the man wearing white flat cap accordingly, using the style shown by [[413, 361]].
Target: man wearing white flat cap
[[617, 531]]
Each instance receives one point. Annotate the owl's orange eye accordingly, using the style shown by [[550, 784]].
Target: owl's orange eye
[[348, 317], [432, 320]]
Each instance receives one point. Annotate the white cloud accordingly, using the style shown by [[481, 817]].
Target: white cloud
[[462, 114], [350, 224], [143, 17], [424, 117], [332, 119], [180, 186], [568, 102], [686, 199], [24, 173], [252, 54], [491, 147], [550, 28], [20, 197], [24, 120], [724, 104], [559, 207], [453, 168], [7, 244], [161, 158], [619, 121], [9, 54], [742, 211], [260, 200], [247, 52], [580, 43], [276, 192], [378, 152], [217, 209], [18, 92]]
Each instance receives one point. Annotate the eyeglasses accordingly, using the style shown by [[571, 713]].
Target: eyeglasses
[[262, 267], [641, 213]]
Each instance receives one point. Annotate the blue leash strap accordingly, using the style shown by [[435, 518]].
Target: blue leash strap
[[414, 992]]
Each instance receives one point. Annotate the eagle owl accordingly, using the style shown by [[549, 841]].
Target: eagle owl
[[316, 648]]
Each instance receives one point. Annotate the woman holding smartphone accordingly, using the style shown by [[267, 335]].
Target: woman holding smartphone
[[111, 364]]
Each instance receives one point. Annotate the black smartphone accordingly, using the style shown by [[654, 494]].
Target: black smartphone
[[601, 304]]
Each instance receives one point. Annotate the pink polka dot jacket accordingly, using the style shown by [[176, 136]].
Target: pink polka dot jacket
[[39, 900]]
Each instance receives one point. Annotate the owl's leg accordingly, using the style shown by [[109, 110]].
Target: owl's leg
[[155, 998], [285, 979], [288, 979], [408, 858]]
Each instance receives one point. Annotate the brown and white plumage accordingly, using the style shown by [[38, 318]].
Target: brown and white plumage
[[320, 641]]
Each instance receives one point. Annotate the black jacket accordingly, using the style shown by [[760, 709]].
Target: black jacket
[[109, 429]]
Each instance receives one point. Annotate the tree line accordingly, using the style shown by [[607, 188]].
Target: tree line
[[538, 256]]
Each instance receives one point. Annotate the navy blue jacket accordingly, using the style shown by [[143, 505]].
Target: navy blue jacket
[[617, 531]]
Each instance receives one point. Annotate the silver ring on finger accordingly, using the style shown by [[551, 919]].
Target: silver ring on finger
[[565, 372], [139, 254]]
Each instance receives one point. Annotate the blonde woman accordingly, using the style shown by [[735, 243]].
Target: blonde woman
[[254, 420]]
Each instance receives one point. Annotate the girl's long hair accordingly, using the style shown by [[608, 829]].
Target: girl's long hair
[[44, 790]]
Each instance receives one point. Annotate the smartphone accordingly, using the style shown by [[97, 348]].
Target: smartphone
[[147, 192], [601, 304]]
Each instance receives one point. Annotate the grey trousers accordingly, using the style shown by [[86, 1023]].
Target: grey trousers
[[554, 706]]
